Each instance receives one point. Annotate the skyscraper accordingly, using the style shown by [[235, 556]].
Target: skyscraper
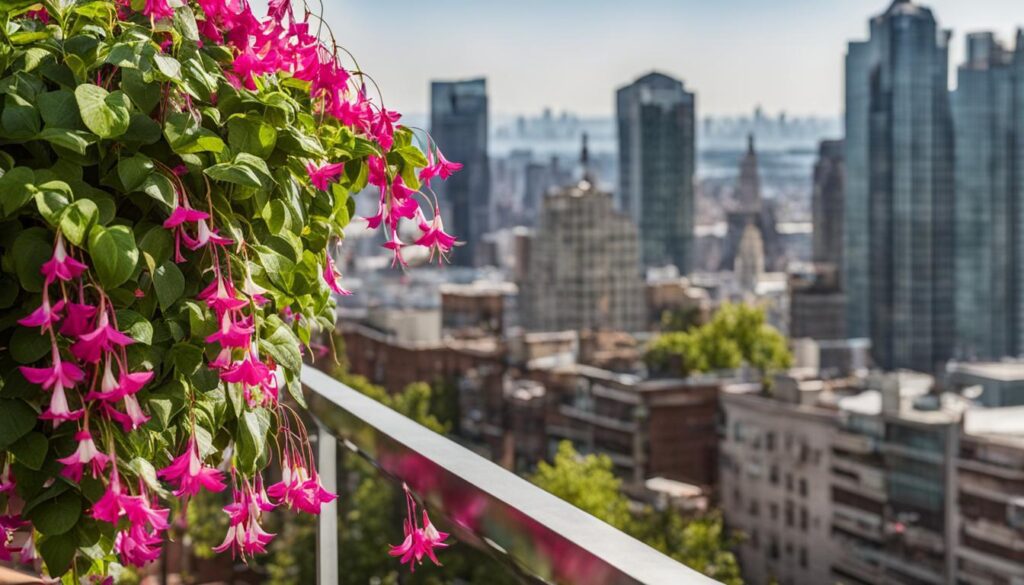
[[656, 167], [751, 210], [989, 122], [458, 123], [584, 270], [898, 244], [827, 204]]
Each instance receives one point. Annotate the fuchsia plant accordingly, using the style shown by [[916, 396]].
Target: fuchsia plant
[[176, 177]]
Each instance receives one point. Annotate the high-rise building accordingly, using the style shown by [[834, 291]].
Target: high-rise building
[[988, 109], [458, 123], [827, 204], [585, 270], [751, 210], [898, 225], [656, 167]]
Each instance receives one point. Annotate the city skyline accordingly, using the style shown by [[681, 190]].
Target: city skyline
[[737, 64]]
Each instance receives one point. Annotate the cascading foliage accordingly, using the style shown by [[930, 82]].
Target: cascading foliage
[[175, 176]]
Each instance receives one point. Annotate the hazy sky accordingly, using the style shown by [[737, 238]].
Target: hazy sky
[[782, 54]]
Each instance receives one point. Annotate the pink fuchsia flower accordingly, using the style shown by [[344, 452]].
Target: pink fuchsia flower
[[137, 546], [440, 168], [420, 541], [249, 371], [245, 536], [183, 214], [220, 296], [254, 291], [45, 316], [434, 237], [91, 346], [321, 176], [59, 411], [400, 190], [189, 473], [446, 168], [140, 511], [78, 319], [158, 9], [377, 174], [63, 373], [232, 333], [7, 484], [205, 235], [133, 416], [331, 275], [61, 266], [113, 389], [110, 506], [85, 454], [396, 245], [299, 490], [27, 552]]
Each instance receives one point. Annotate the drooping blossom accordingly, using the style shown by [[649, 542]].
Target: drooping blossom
[[114, 389], [396, 245], [140, 511], [91, 346], [245, 536], [85, 454], [58, 411], [158, 9], [77, 320], [182, 215], [232, 332], [61, 266], [110, 505], [420, 541], [205, 235], [220, 296], [189, 474], [61, 372], [7, 484], [300, 489], [137, 546], [321, 176], [331, 275], [133, 416], [45, 316], [434, 237]]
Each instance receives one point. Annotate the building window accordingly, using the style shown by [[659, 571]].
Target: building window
[[803, 557], [773, 549], [789, 482], [803, 519], [755, 508], [790, 514], [773, 475], [773, 511], [803, 487], [769, 441]]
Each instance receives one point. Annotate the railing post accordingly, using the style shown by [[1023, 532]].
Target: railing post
[[327, 523]]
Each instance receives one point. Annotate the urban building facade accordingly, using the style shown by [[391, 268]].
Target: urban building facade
[[657, 158], [459, 125], [898, 253], [827, 204], [584, 266], [989, 119], [751, 210]]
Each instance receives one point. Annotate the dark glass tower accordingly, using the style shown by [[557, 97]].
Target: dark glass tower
[[988, 118], [458, 122], [656, 167], [898, 236]]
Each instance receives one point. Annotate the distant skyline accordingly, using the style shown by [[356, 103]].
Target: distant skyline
[[573, 54]]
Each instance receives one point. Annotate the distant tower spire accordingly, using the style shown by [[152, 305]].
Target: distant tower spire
[[750, 143], [585, 161]]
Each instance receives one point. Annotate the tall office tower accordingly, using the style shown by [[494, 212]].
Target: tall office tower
[[898, 225], [584, 265], [988, 109], [458, 123], [751, 210], [827, 204], [656, 167]]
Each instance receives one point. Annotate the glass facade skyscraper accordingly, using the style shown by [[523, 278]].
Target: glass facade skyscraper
[[898, 244], [458, 123], [656, 167], [987, 110]]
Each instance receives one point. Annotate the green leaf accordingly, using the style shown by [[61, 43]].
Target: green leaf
[[16, 189], [20, 119], [169, 284], [106, 114], [235, 173], [77, 220], [58, 515], [278, 268], [144, 95], [135, 326], [158, 245], [31, 249], [113, 253], [252, 136], [76, 141], [59, 109], [168, 66], [281, 343], [159, 187], [51, 200], [58, 552], [252, 438], [134, 170], [17, 418], [144, 469], [31, 449], [142, 130], [28, 345]]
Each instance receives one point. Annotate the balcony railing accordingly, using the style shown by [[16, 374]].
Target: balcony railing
[[538, 536]]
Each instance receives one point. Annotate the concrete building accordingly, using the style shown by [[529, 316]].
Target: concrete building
[[657, 161], [774, 481], [479, 309], [458, 122], [584, 265], [816, 304], [898, 253], [988, 110], [749, 265], [751, 210]]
